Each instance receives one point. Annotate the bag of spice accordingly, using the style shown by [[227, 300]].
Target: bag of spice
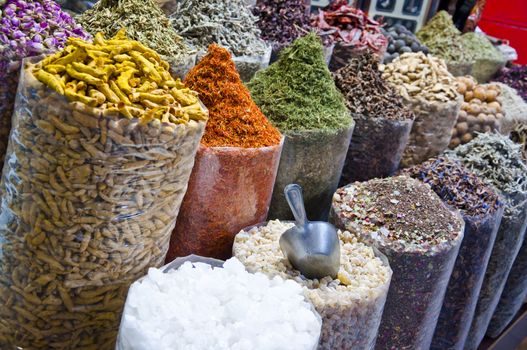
[[383, 123], [487, 59], [443, 40], [145, 22], [482, 212], [97, 166], [498, 161], [351, 305], [282, 21], [430, 91], [298, 95], [515, 77], [28, 29], [350, 30], [513, 297], [401, 40], [235, 169], [408, 223], [481, 110], [227, 23]]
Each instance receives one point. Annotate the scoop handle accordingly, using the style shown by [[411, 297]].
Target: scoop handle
[[293, 195]]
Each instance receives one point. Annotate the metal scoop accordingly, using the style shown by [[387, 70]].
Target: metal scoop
[[313, 248]]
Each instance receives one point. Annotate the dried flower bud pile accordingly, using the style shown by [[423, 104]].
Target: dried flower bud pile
[[498, 161], [121, 76], [282, 21], [409, 223], [350, 29], [401, 40], [28, 28], [487, 59], [383, 122], [515, 77], [350, 305], [430, 91], [144, 22], [482, 212], [480, 112], [91, 193]]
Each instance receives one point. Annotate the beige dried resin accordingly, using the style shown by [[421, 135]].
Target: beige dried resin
[[351, 306], [90, 199]]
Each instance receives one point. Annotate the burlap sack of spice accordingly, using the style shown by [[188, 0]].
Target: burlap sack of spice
[[91, 197]]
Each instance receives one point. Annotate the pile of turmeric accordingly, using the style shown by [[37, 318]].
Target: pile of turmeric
[[119, 75]]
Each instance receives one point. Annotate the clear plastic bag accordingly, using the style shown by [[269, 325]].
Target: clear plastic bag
[[349, 321], [506, 247], [484, 69], [465, 283], [376, 148], [247, 66], [513, 296], [314, 160], [180, 68], [419, 282], [230, 188], [342, 53], [459, 69], [9, 74], [431, 131], [124, 344], [90, 201]]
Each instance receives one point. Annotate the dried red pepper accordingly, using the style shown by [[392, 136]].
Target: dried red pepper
[[342, 23]]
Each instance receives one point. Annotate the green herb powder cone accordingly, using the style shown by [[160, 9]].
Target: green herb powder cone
[[297, 92]]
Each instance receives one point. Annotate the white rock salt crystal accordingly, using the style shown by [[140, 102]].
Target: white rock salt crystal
[[194, 308]]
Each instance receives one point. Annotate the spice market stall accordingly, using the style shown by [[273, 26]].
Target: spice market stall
[[298, 95], [93, 183], [235, 169]]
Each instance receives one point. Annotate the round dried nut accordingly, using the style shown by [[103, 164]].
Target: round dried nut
[[499, 115], [462, 116], [465, 106], [472, 120], [453, 133], [490, 119], [495, 105], [476, 128], [461, 87], [487, 128], [482, 118], [466, 138], [480, 93], [462, 128], [474, 108], [491, 95], [469, 95], [455, 142]]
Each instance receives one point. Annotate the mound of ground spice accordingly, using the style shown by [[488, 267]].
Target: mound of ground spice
[[234, 119], [456, 186]]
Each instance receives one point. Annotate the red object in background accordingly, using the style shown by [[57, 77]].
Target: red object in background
[[507, 20]]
